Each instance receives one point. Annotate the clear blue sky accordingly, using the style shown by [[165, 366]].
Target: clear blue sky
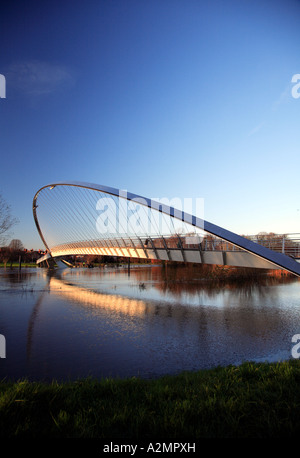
[[163, 98]]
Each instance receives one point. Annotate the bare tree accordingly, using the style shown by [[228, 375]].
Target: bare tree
[[6, 220], [16, 249], [16, 245], [5, 255]]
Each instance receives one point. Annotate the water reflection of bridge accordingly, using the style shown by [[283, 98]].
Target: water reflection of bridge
[[190, 321], [138, 299], [72, 222]]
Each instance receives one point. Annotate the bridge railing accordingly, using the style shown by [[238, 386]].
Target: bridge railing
[[288, 244]]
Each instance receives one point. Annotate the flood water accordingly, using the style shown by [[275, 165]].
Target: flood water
[[103, 322]]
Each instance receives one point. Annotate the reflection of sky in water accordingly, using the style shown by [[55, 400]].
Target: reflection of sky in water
[[103, 322]]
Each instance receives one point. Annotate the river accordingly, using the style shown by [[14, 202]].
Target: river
[[103, 322]]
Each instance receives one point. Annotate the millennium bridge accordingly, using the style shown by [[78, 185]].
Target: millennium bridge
[[75, 218]]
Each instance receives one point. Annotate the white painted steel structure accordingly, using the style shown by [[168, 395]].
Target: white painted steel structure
[[75, 218]]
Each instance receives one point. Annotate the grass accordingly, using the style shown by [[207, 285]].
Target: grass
[[250, 400]]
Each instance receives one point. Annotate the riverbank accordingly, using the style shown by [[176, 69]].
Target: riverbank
[[256, 400], [186, 270], [16, 265]]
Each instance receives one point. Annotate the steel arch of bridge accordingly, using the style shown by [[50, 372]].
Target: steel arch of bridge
[[269, 257]]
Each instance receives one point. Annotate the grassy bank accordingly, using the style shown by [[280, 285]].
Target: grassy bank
[[15, 265], [251, 400]]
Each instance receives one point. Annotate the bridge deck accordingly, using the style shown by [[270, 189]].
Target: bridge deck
[[233, 257]]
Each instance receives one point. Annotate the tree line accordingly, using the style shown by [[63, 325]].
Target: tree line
[[15, 253]]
